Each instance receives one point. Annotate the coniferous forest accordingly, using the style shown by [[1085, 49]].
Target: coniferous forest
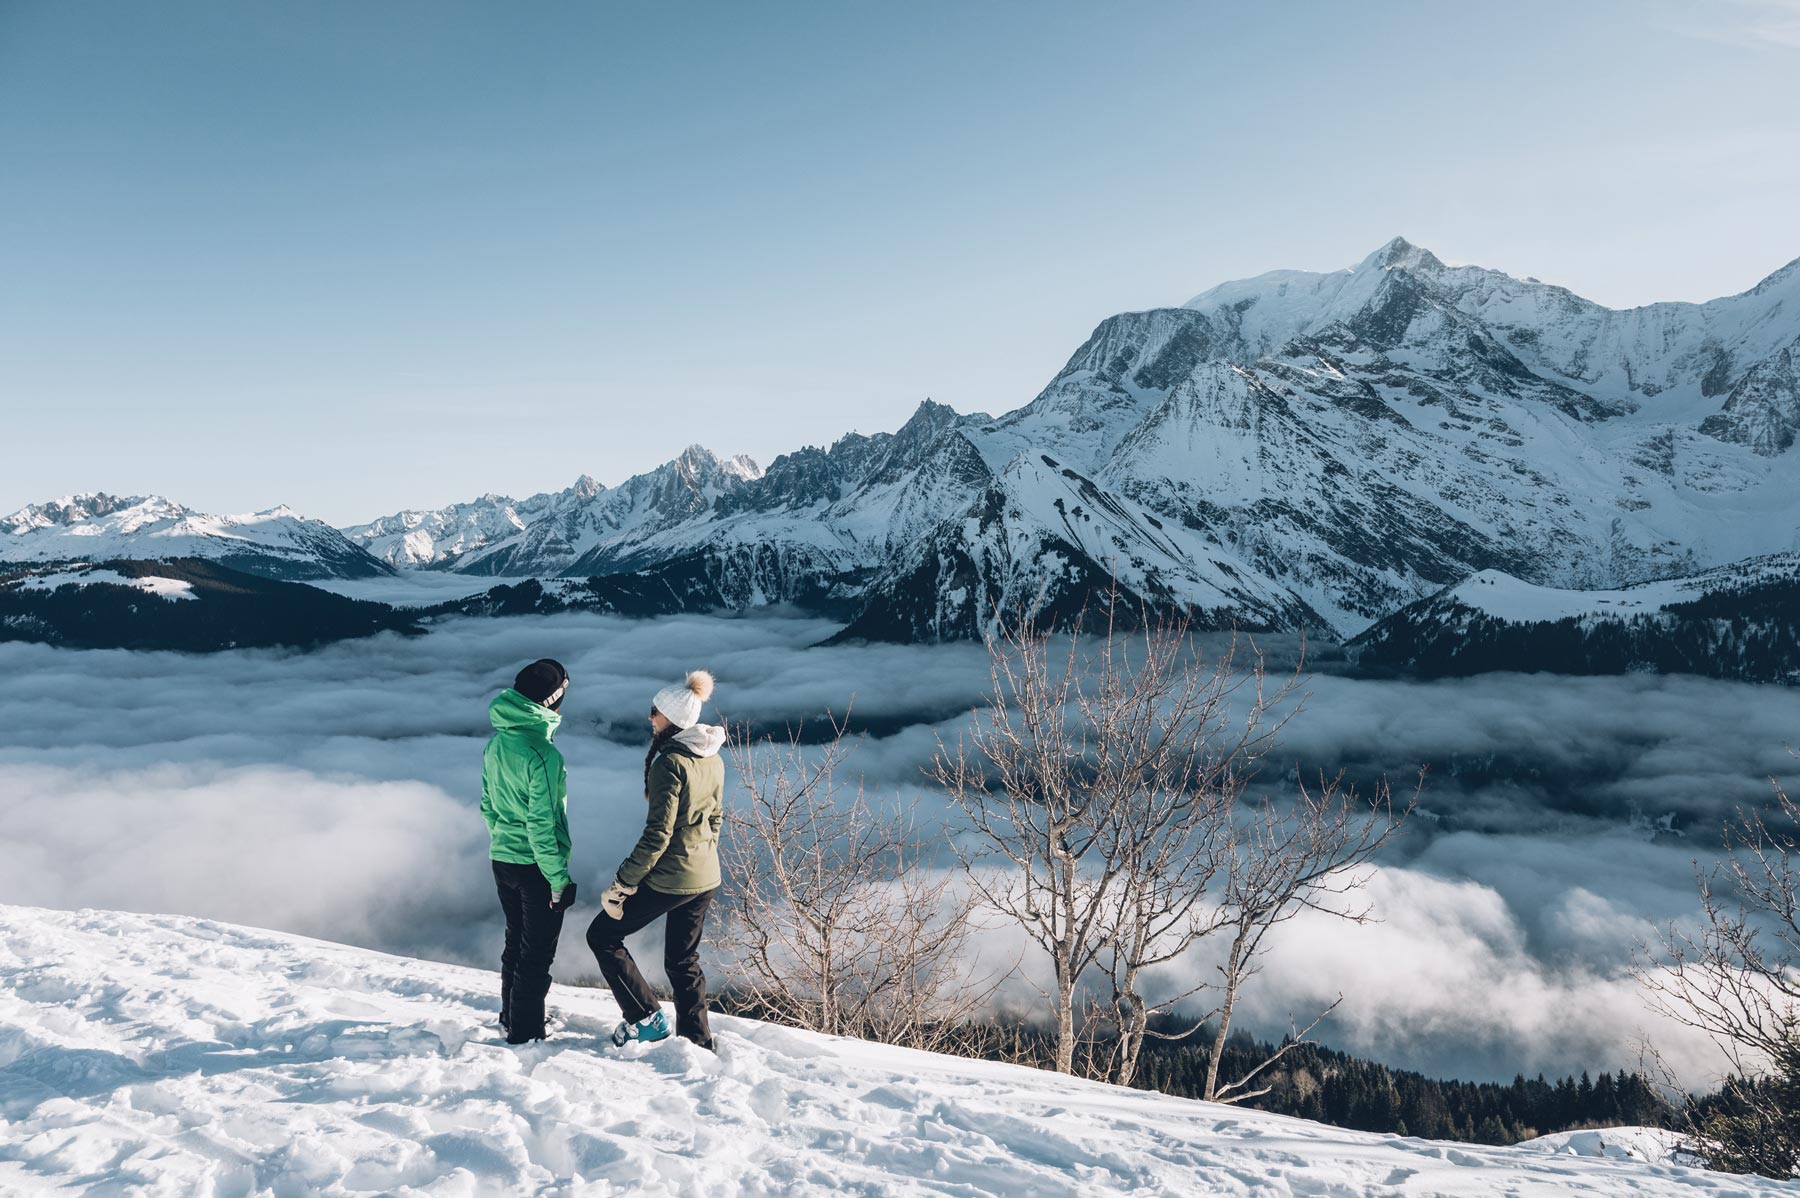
[[1315, 1082]]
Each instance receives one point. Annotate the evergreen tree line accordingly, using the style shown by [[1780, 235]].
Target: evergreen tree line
[[1752, 635], [1322, 1084]]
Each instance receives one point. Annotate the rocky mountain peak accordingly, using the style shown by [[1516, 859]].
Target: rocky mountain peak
[[700, 464], [696, 458], [1777, 276], [929, 415], [1401, 254], [927, 423], [80, 508]]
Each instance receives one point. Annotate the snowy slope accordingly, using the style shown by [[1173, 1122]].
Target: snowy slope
[[1737, 621], [1347, 442], [1502, 597], [1670, 357], [278, 543], [160, 1055], [1653, 1145], [172, 589], [1046, 537]]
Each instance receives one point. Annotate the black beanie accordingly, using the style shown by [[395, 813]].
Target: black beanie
[[541, 679]]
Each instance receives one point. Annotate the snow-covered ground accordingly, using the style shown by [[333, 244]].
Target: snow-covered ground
[[168, 588], [154, 1055], [413, 588], [1653, 1144], [1504, 597]]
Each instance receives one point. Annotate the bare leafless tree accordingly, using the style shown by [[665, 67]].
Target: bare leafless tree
[[1736, 978], [837, 922], [1092, 786], [1282, 860], [1202, 727]]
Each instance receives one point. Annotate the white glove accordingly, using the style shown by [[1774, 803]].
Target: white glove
[[613, 901]]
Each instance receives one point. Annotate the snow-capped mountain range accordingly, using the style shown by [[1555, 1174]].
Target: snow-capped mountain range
[[278, 543], [1316, 449]]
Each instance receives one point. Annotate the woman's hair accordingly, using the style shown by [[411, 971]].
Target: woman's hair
[[656, 743]]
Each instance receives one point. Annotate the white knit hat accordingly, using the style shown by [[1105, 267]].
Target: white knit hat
[[681, 703]]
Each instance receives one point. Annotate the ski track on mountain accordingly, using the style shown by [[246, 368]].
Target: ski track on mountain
[[153, 1055]]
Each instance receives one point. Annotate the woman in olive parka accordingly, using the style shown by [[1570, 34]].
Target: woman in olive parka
[[673, 872]]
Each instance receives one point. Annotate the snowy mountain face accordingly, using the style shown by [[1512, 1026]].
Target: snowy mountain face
[[1297, 448], [167, 1057], [277, 543], [818, 522], [427, 538], [1395, 427]]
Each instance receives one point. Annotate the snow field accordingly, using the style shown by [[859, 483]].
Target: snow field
[[168, 588], [146, 1055]]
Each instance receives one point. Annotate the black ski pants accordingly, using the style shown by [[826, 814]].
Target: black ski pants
[[681, 958], [531, 931]]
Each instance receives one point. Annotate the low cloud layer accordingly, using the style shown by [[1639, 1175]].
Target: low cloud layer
[[333, 794], [1522, 968], [1535, 753]]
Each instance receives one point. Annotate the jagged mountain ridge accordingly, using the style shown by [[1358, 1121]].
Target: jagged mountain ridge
[[1330, 447], [278, 543], [423, 537]]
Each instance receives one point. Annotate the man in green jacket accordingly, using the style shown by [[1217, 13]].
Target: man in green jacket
[[673, 871], [525, 798]]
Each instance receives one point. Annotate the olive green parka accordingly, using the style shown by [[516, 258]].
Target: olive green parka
[[678, 852]]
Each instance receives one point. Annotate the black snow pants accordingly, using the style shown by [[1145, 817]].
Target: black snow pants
[[531, 931], [681, 958]]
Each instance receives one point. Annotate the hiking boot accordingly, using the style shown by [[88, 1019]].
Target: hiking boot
[[648, 1030]]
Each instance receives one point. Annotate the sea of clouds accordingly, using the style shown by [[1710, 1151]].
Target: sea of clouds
[[333, 793]]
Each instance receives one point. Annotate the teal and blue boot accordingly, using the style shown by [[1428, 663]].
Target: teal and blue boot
[[648, 1030]]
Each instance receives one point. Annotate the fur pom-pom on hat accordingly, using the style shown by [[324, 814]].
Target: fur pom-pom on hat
[[681, 703]]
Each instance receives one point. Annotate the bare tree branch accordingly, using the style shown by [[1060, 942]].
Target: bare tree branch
[[836, 923]]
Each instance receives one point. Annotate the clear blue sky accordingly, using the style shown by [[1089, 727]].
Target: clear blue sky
[[359, 256]]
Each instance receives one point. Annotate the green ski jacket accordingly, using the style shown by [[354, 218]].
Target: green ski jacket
[[525, 789]]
